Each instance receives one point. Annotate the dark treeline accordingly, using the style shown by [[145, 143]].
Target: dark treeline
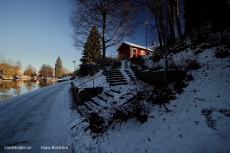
[[175, 21]]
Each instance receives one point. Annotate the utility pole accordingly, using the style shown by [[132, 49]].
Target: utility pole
[[146, 22], [74, 66]]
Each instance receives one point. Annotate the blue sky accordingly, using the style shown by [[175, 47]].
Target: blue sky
[[38, 31]]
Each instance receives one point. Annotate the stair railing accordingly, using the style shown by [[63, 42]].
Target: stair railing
[[92, 79]]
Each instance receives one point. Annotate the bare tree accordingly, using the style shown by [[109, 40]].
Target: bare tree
[[46, 71], [17, 67], [30, 71], [2, 58], [156, 9], [161, 9], [66, 72], [155, 6], [6, 66], [113, 18]]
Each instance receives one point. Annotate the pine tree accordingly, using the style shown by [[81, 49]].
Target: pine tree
[[58, 68], [92, 47]]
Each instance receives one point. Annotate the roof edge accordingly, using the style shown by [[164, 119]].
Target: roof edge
[[134, 45]]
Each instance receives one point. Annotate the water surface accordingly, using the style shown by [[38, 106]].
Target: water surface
[[11, 88]]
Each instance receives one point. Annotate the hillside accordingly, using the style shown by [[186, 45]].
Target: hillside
[[198, 120], [190, 115]]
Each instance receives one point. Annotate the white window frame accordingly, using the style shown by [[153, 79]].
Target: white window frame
[[134, 54], [142, 52]]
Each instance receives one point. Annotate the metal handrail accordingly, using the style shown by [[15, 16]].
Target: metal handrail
[[89, 80], [92, 88]]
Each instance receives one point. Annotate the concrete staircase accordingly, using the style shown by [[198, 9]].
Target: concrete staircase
[[130, 74], [115, 96], [115, 77], [121, 75], [107, 100]]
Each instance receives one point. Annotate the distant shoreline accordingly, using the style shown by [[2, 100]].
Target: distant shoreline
[[11, 79]]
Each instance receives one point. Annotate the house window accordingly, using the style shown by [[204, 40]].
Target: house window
[[142, 52], [134, 53]]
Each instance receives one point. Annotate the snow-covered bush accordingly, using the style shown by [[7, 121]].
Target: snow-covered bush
[[156, 66], [156, 57], [161, 95], [186, 63]]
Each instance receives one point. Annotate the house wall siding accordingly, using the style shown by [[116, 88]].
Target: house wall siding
[[138, 51], [124, 51]]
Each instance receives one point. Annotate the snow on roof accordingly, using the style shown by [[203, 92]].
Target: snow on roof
[[134, 45]]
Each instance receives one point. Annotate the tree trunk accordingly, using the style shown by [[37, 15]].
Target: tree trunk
[[166, 46], [180, 41], [171, 24], [162, 30], [157, 25], [158, 32], [199, 34], [103, 40]]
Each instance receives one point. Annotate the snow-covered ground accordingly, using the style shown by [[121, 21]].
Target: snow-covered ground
[[65, 78], [199, 121], [37, 121]]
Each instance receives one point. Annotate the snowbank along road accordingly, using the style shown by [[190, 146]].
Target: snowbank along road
[[36, 121]]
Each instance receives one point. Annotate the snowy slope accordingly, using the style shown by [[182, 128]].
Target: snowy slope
[[199, 121]]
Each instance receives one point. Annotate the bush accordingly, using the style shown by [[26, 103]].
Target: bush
[[179, 85], [161, 95], [110, 60], [198, 51], [138, 110], [73, 78], [138, 61], [172, 65], [135, 109], [189, 78], [98, 61], [187, 63], [156, 67], [222, 53], [96, 123], [156, 57], [116, 65], [89, 68], [192, 65], [180, 49]]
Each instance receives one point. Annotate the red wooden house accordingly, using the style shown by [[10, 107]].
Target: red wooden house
[[129, 50]]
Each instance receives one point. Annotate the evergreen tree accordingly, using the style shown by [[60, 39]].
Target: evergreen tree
[[58, 68], [92, 46]]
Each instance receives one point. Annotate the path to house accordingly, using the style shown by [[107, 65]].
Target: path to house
[[37, 120]]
